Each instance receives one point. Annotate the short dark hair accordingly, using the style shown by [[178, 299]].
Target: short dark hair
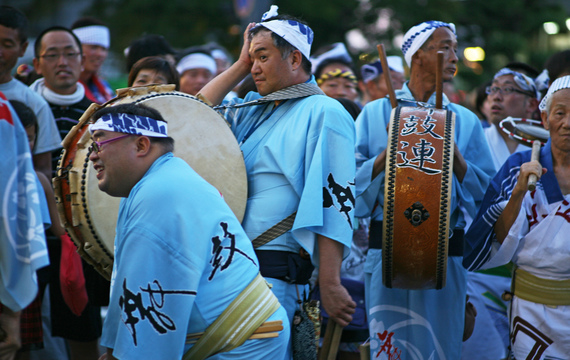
[[86, 21], [27, 116], [142, 110], [13, 18], [558, 64], [38, 43], [147, 45], [284, 47], [160, 65]]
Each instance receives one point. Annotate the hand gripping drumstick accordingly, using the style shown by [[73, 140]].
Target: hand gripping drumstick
[[439, 81], [387, 75], [535, 155]]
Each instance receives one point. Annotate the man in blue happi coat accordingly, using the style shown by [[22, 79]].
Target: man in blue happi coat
[[420, 324]]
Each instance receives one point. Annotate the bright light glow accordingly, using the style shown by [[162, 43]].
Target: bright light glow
[[356, 40], [551, 28], [568, 23], [474, 53]]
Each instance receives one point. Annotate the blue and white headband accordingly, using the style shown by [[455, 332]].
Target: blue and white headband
[[558, 84], [297, 34], [338, 51], [130, 124], [418, 35], [525, 82], [374, 69]]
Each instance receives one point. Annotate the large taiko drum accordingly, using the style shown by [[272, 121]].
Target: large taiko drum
[[417, 193], [202, 138]]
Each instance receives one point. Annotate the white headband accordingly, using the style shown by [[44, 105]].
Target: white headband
[[196, 61], [94, 35], [558, 84], [297, 34], [338, 51], [130, 124], [418, 35]]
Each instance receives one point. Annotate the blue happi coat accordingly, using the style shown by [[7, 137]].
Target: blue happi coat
[[418, 324], [181, 257], [23, 215]]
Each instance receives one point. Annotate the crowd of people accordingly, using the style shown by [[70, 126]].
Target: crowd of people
[[192, 281]]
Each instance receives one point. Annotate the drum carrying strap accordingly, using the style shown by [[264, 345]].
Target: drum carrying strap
[[290, 92], [249, 310], [275, 231]]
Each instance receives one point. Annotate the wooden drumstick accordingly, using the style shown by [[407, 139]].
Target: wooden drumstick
[[535, 155], [439, 81], [387, 75]]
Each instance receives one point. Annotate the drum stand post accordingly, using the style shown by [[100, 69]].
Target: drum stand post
[[331, 341]]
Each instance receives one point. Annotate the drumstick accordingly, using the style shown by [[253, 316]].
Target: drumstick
[[439, 81], [387, 75], [535, 155]]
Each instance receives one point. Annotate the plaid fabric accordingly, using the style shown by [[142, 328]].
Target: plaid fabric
[[31, 332]]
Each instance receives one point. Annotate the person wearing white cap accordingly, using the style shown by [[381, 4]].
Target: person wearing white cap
[[530, 229], [374, 78], [196, 70], [95, 41], [420, 324], [298, 146]]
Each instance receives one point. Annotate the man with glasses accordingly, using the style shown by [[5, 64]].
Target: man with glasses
[[58, 58], [514, 94], [511, 94]]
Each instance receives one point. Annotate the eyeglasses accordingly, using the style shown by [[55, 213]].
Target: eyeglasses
[[54, 57], [96, 145], [491, 90]]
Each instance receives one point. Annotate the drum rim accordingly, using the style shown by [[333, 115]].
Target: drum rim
[[517, 136]]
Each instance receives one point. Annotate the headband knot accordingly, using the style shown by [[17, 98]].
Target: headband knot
[[130, 124], [298, 35], [418, 35]]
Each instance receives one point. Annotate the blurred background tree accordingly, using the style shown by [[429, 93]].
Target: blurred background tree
[[506, 30]]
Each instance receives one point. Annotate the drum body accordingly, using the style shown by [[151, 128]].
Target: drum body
[[202, 138], [419, 163]]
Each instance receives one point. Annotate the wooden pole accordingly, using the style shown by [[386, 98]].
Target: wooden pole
[[439, 81], [387, 75], [535, 155], [331, 341]]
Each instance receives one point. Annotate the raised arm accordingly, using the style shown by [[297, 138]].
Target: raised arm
[[513, 207], [215, 91]]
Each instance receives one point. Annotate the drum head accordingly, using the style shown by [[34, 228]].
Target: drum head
[[202, 138]]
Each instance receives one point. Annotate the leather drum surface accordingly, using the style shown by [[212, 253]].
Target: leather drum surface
[[417, 195]]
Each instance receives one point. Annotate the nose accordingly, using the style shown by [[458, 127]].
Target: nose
[[255, 69], [94, 156], [453, 57]]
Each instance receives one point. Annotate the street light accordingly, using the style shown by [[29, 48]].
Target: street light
[[474, 53], [551, 28]]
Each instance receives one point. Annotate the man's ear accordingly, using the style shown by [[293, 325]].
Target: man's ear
[[143, 145], [544, 117], [296, 59], [36, 63], [23, 48]]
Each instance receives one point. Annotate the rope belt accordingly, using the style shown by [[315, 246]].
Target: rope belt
[[238, 322], [539, 290]]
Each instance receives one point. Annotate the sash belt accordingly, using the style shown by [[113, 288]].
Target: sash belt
[[455, 241], [237, 323], [541, 291]]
